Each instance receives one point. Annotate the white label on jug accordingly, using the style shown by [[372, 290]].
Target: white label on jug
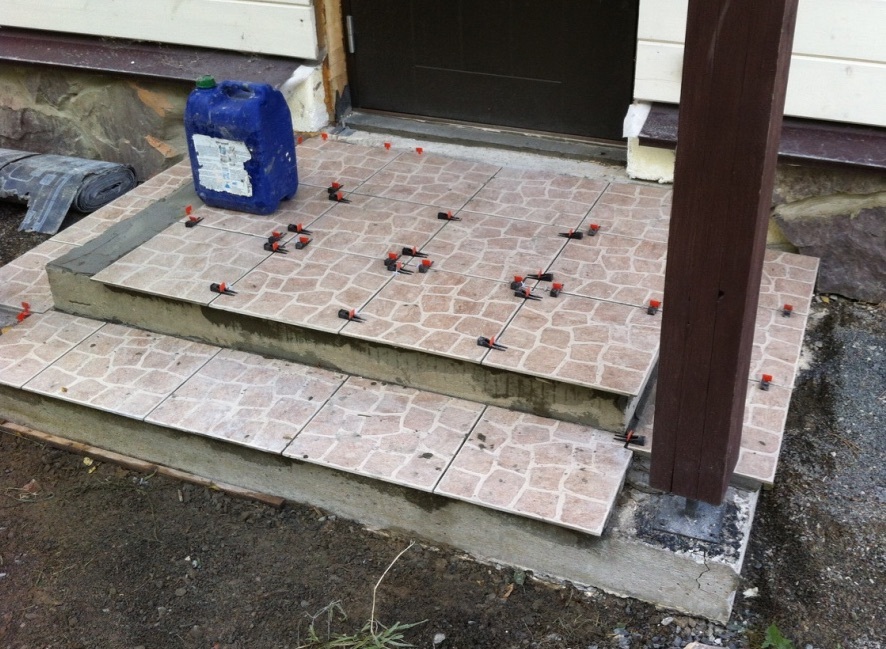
[[221, 165]]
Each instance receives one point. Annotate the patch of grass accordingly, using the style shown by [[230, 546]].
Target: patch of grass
[[373, 634], [775, 640]]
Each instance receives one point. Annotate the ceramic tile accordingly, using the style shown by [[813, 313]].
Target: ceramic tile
[[165, 182], [320, 163], [539, 196], [182, 262], [388, 432], [788, 279], [248, 399], [32, 345], [494, 247], [438, 312], [307, 288], [445, 183], [608, 267], [540, 468], [372, 227], [778, 342], [24, 279], [91, 226], [763, 427], [632, 210], [122, 370], [304, 208], [583, 341]]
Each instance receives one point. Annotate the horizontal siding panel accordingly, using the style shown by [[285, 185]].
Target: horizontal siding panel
[[846, 29], [281, 27], [830, 89]]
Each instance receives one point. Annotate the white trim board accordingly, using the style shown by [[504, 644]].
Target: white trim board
[[279, 27]]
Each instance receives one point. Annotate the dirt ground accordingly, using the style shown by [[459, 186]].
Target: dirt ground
[[97, 556]]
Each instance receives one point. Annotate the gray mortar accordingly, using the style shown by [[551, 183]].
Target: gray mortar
[[75, 292], [695, 580]]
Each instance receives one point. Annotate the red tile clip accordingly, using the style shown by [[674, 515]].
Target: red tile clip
[[541, 275], [388, 146], [572, 234], [25, 312], [192, 220], [425, 265], [654, 306], [302, 243], [391, 259], [221, 288], [517, 284], [556, 287], [275, 246], [630, 437], [419, 150], [300, 140], [397, 267], [490, 343], [275, 236], [412, 252], [526, 293], [787, 310], [447, 216], [350, 316], [338, 197], [593, 230], [765, 381], [298, 228], [325, 136]]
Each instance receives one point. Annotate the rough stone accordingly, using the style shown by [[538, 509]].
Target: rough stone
[[848, 234], [95, 116]]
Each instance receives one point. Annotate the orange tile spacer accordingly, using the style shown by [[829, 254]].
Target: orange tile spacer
[[25, 312]]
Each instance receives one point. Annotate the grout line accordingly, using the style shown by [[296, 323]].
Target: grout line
[[218, 350], [347, 378], [458, 450]]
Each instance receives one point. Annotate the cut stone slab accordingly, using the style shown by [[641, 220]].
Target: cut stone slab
[[848, 233]]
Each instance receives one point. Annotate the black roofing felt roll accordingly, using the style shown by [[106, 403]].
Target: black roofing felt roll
[[53, 184]]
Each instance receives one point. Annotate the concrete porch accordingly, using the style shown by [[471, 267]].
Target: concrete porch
[[402, 421]]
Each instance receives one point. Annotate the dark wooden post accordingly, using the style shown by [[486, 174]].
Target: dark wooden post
[[735, 69]]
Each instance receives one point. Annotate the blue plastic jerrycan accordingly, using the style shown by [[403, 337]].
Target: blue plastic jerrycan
[[241, 145]]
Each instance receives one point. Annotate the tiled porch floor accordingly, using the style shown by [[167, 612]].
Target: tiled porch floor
[[596, 333]]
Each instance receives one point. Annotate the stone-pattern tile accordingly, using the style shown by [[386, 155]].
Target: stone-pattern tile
[[304, 208], [89, 227], [438, 312], [494, 247], [41, 339], [787, 279], [321, 163], [539, 196], [307, 287], [373, 227], [765, 415], [445, 183], [122, 370], [388, 432], [165, 182], [608, 267], [247, 399], [633, 210], [540, 468], [24, 279], [182, 262], [778, 342], [582, 341]]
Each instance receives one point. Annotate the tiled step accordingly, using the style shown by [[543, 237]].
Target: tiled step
[[510, 224], [564, 474]]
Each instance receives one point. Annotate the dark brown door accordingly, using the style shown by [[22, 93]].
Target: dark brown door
[[564, 66]]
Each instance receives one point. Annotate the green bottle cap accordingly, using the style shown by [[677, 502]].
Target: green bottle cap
[[206, 81]]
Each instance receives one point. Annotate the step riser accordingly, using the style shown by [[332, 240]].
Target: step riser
[[77, 294], [618, 562]]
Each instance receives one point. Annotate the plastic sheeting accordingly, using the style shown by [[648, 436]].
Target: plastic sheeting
[[53, 184]]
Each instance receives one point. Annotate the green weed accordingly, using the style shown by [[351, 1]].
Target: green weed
[[775, 640]]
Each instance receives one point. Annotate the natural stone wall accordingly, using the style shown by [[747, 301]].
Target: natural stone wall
[[90, 115], [848, 233]]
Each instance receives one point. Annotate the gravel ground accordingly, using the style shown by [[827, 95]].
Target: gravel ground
[[115, 559]]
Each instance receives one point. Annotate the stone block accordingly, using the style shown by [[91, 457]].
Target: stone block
[[848, 234]]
